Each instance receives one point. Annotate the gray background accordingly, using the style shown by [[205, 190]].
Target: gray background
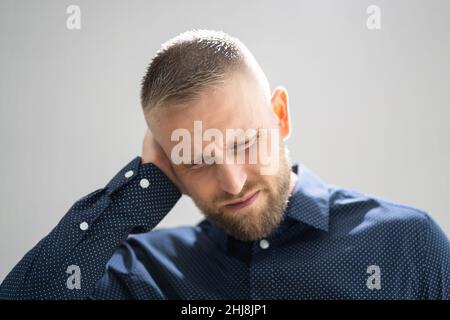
[[369, 108]]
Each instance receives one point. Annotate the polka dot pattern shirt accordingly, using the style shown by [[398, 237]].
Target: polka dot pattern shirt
[[332, 243]]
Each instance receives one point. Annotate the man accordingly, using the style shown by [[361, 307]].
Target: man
[[278, 235]]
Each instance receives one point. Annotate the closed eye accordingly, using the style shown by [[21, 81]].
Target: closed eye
[[248, 143]]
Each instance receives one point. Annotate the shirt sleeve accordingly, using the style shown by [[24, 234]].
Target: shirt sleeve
[[69, 261], [436, 265]]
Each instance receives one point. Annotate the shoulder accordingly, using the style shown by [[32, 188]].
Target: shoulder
[[367, 212]]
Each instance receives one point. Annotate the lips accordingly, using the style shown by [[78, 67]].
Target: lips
[[244, 202]]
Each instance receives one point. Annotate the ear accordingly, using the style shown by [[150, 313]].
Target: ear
[[280, 108]]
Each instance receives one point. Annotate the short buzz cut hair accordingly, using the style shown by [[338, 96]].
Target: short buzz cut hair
[[187, 64]]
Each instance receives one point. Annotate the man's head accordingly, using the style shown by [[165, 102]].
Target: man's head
[[211, 78]]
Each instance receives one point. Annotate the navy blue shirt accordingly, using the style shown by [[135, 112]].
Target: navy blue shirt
[[332, 243]]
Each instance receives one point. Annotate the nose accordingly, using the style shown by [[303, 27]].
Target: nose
[[232, 177]]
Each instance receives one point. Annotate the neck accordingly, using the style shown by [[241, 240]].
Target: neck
[[294, 178]]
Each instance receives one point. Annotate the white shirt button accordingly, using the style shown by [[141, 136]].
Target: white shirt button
[[144, 183], [264, 244], [129, 174], [84, 226]]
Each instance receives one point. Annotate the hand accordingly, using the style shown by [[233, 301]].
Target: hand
[[153, 153]]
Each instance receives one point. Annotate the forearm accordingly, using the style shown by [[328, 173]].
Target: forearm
[[68, 262]]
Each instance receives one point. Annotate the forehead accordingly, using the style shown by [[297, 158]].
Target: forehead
[[238, 103]]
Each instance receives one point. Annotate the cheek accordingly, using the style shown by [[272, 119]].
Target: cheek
[[261, 181], [200, 186]]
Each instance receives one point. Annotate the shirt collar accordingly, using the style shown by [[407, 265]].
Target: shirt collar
[[309, 201]]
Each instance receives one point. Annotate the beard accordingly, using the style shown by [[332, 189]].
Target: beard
[[264, 215]]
